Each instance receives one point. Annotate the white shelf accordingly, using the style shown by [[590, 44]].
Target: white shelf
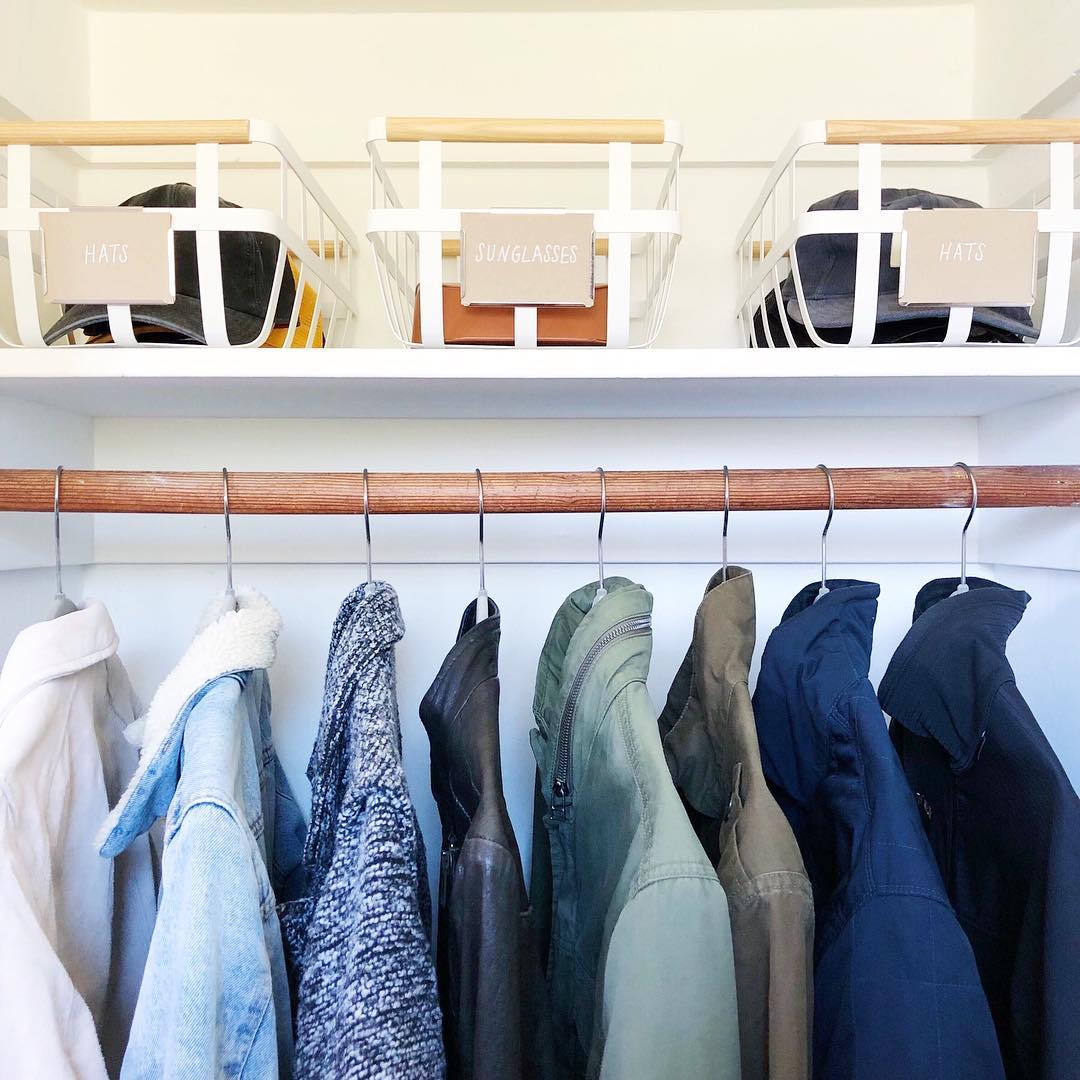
[[544, 383]]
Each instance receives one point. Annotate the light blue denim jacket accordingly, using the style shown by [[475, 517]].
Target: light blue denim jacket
[[214, 1000]]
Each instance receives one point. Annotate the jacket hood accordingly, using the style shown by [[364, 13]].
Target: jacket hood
[[577, 626], [460, 713], [54, 649], [818, 653], [944, 676], [232, 639]]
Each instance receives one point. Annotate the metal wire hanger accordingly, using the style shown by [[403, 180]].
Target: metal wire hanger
[[601, 591], [825, 534], [230, 592], [723, 535], [61, 604], [963, 586], [483, 609], [367, 527]]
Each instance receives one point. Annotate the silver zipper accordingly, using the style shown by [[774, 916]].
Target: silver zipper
[[562, 778]]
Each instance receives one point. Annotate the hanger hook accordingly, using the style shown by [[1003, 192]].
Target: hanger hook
[[825, 531], [228, 533], [727, 512], [56, 533], [600, 590], [963, 586], [367, 526], [480, 507]]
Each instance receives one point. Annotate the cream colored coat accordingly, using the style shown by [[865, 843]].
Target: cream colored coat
[[74, 926]]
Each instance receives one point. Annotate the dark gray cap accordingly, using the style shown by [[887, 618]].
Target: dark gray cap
[[827, 271]]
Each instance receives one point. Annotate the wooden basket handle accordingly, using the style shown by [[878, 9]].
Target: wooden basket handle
[[489, 130], [124, 132], [950, 132]]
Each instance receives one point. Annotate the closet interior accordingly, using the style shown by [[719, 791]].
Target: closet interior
[[335, 131]]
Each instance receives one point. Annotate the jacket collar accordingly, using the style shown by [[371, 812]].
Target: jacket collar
[[577, 626], [726, 623], [947, 670], [230, 640], [460, 713], [818, 653], [54, 649], [368, 623], [701, 704]]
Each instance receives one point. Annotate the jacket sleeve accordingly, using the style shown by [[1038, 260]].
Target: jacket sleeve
[[669, 986], [494, 973], [206, 1005], [1058, 952]]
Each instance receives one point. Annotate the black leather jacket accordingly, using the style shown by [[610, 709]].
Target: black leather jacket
[[496, 1021]]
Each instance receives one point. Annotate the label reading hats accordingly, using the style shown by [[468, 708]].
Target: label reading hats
[[969, 258], [114, 255], [527, 259]]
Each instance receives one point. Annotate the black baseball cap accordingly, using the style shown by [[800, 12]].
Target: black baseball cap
[[827, 271], [248, 266]]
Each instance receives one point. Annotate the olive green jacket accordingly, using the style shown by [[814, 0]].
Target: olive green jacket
[[633, 920], [710, 740]]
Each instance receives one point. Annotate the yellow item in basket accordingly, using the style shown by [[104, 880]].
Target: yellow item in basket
[[276, 337]]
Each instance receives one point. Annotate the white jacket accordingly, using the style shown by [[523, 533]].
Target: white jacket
[[74, 926]]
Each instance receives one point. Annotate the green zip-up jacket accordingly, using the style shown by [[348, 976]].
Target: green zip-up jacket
[[632, 917]]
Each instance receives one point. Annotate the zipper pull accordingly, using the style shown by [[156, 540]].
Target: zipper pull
[[448, 862], [560, 800]]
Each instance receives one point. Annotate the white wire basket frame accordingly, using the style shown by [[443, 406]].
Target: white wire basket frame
[[311, 232], [766, 241], [409, 243]]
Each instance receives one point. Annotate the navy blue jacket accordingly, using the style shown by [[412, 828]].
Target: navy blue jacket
[[896, 991], [1001, 815]]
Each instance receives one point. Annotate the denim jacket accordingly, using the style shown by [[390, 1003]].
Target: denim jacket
[[214, 1000]]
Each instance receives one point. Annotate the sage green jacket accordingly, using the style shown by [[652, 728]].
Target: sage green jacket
[[632, 916], [710, 740]]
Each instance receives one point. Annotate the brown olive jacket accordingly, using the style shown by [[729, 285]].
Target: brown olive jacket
[[710, 741]]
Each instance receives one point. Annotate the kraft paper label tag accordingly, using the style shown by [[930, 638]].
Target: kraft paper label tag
[[969, 258], [527, 259], [117, 255]]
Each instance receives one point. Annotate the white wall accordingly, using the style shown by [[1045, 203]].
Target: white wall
[[1023, 53], [47, 57], [37, 437], [740, 79]]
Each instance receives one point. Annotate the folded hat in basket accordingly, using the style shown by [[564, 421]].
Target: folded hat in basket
[[248, 265], [827, 271], [307, 315], [482, 325]]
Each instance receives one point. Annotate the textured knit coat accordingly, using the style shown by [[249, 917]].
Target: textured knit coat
[[359, 942]]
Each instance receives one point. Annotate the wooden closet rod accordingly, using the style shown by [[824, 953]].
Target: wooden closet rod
[[91, 491]]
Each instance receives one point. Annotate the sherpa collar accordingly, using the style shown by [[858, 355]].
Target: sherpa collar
[[229, 640]]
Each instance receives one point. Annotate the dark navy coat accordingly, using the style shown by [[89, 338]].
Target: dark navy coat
[[1002, 817], [897, 994]]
